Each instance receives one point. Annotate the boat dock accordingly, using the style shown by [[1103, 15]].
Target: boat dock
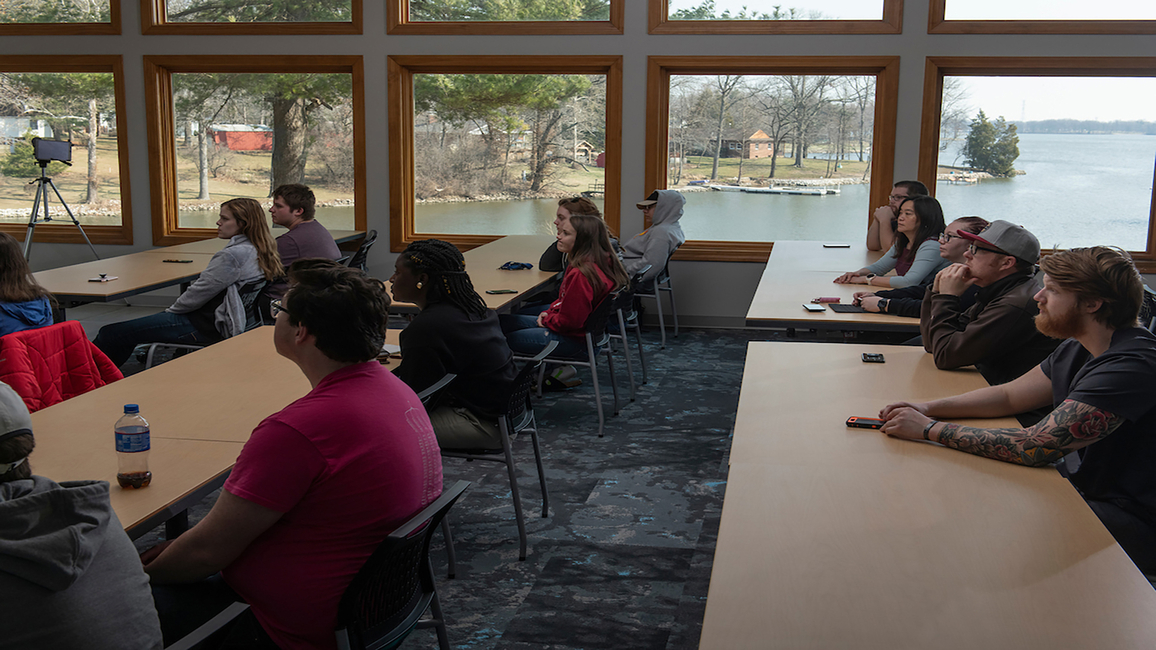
[[795, 191]]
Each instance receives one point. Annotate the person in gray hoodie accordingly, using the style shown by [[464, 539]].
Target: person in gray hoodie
[[653, 246], [69, 576]]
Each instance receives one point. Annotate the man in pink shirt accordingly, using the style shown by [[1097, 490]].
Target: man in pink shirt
[[318, 485]]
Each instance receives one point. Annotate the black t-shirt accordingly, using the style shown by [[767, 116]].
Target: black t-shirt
[[1121, 468], [441, 339]]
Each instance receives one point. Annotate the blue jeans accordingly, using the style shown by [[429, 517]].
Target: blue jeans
[[117, 340], [525, 337]]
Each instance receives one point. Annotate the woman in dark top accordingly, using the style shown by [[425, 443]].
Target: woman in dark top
[[453, 333]]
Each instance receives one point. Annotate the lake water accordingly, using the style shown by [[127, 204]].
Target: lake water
[[1078, 190]]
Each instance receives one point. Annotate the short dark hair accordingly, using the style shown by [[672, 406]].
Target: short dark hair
[[12, 449], [1100, 273], [914, 188], [297, 197], [343, 308]]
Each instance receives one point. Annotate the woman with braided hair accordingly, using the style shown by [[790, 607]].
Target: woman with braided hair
[[454, 332]]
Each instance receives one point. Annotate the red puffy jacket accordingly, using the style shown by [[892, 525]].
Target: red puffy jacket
[[51, 364]]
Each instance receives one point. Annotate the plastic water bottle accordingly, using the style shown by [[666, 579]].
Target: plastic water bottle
[[132, 449]]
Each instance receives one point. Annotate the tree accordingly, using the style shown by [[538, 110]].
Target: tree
[[991, 148], [727, 92], [706, 11], [21, 162], [58, 11], [508, 10], [953, 111], [253, 11]]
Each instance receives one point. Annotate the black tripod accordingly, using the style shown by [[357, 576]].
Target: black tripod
[[43, 183]]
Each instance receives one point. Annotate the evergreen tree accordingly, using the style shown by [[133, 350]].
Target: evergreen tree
[[991, 148]]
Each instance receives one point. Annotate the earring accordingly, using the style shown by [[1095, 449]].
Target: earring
[[419, 284]]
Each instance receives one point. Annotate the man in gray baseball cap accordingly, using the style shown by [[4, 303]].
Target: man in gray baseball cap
[[997, 334]]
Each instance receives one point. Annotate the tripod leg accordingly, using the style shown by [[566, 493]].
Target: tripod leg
[[70, 215], [32, 218]]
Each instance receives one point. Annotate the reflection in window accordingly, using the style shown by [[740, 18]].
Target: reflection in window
[[257, 11], [1080, 172], [241, 135], [494, 152], [78, 107], [782, 156], [1051, 10], [58, 11], [508, 11], [775, 10]]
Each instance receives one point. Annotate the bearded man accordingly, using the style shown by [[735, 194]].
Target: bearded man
[[1100, 384]]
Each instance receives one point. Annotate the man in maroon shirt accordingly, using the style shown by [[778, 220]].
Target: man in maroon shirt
[[294, 207]]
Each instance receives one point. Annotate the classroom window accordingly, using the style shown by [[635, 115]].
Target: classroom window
[[60, 17], [829, 130], [57, 98], [1065, 149], [483, 147], [229, 128], [1055, 17], [775, 17], [513, 17], [266, 17]]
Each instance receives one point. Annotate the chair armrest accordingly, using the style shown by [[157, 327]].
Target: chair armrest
[[440, 384]]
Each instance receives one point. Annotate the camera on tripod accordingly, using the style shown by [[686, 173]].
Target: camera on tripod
[[47, 151]]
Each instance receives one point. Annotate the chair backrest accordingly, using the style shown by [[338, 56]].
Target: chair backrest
[[360, 259], [1148, 310], [395, 585], [600, 316], [250, 298], [519, 403], [664, 275]]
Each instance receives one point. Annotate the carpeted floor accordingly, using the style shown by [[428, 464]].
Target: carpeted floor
[[623, 558]]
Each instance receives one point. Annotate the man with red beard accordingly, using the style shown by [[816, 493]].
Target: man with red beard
[[1101, 383]]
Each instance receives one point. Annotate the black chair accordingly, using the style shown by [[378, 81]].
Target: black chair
[[627, 318], [391, 592], [661, 283], [360, 259], [250, 298], [1148, 310]]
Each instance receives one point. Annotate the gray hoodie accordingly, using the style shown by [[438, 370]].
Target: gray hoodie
[[69, 576], [653, 245]]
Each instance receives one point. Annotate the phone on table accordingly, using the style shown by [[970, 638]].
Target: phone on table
[[864, 423], [494, 292], [872, 357], [836, 245], [178, 261], [810, 307]]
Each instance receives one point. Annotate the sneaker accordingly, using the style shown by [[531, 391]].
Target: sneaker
[[562, 378]]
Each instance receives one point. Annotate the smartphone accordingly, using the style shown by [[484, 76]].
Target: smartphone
[[864, 423], [836, 245], [872, 357], [810, 307], [178, 261], [494, 292]]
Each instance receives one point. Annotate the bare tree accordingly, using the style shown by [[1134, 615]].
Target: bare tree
[[729, 89], [954, 112]]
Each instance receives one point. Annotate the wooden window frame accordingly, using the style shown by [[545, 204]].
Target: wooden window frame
[[401, 129], [153, 21], [67, 29], [937, 67], [158, 72], [68, 234], [661, 68], [891, 23], [938, 24], [397, 22]]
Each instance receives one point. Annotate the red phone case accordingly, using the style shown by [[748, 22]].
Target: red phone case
[[864, 423]]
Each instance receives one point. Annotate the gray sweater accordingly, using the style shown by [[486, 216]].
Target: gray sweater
[[232, 267], [653, 245], [927, 263]]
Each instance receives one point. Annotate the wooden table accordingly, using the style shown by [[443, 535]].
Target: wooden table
[[844, 538], [215, 244], [136, 273], [798, 271]]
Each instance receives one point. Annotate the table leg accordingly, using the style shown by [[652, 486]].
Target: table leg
[[177, 524]]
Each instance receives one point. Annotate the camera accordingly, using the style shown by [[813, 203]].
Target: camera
[[50, 150]]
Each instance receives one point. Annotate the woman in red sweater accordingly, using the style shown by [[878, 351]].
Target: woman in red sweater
[[593, 272]]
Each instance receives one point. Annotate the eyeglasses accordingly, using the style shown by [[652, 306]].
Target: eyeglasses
[[898, 197], [946, 237], [276, 308], [973, 248]]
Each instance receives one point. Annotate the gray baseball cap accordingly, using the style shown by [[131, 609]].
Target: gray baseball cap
[[14, 421], [1009, 238]]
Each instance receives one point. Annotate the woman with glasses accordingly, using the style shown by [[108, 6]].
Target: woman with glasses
[[907, 301], [915, 254], [210, 310]]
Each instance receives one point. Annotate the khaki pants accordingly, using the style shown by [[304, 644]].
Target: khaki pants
[[458, 428]]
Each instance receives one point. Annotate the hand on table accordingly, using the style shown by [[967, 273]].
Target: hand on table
[[845, 278], [904, 420], [869, 302], [953, 280]]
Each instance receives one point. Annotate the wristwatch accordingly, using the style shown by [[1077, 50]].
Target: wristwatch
[[870, 276], [883, 302]]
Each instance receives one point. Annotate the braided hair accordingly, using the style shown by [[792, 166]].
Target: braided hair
[[446, 267]]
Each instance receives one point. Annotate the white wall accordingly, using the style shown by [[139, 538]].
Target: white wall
[[708, 292]]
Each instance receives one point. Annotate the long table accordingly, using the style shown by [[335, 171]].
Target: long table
[[213, 245], [136, 273], [798, 271], [834, 537]]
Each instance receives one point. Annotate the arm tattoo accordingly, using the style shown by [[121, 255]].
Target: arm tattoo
[[1070, 426]]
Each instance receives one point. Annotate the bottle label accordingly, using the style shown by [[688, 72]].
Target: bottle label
[[132, 442]]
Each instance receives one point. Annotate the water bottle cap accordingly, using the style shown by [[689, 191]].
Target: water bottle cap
[[131, 408]]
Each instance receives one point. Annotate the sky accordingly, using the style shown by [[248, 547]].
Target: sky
[[956, 9], [1048, 98]]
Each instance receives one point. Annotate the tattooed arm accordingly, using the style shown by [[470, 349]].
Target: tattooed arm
[[1070, 426]]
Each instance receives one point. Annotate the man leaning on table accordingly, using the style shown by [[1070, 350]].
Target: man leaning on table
[[996, 334], [317, 486], [1100, 383], [294, 207]]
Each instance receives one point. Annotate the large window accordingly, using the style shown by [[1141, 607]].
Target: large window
[[251, 17], [775, 17], [60, 17], [482, 147], [507, 17], [1042, 17], [1063, 147], [768, 148], [228, 127], [59, 98]]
